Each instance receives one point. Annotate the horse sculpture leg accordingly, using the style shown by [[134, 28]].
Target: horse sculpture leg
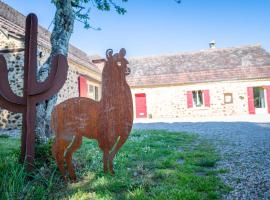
[[58, 150], [120, 143], [74, 146]]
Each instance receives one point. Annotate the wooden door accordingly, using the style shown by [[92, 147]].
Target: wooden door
[[141, 109]]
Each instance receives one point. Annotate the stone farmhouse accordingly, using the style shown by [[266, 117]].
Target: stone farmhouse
[[211, 82]]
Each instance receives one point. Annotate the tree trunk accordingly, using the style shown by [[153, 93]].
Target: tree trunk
[[63, 28]]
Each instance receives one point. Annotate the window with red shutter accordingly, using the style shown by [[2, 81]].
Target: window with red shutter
[[83, 89], [251, 107], [268, 97], [189, 99], [206, 96]]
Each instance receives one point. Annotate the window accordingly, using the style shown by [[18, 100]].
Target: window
[[259, 100], [197, 98], [96, 93], [228, 98], [93, 92]]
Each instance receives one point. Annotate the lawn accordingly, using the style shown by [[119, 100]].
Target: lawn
[[151, 165]]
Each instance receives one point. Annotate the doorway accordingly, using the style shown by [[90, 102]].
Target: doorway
[[141, 109]]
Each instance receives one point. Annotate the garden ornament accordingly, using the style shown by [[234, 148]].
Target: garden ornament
[[109, 120], [33, 91]]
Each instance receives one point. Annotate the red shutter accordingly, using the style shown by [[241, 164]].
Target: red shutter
[[189, 99], [141, 109], [251, 107], [82, 87], [206, 98], [268, 97]]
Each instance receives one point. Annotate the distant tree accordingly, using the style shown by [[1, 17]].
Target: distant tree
[[67, 11]]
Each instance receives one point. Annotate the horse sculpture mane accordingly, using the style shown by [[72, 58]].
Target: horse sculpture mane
[[109, 121]]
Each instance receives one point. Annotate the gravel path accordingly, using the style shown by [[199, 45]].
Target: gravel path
[[245, 151], [15, 133]]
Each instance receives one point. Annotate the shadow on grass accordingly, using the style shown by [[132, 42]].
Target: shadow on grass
[[146, 168]]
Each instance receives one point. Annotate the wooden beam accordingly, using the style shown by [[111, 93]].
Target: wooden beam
[[15, 50]]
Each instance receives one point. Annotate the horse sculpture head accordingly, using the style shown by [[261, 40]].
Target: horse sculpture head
[[118, 61]]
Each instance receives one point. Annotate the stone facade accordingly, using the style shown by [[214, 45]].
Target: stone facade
[[15, 76], [196, 84], [11, 40], [15, 63], [71, 87], [171, 101]]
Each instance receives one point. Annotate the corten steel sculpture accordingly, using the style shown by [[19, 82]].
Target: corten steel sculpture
[[109, 121], [33, 92]]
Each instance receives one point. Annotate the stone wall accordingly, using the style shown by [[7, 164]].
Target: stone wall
[[15, 63], [15, 73], [71, 87], [12, 31], [171, 101]]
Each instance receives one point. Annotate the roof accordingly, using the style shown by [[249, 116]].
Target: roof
[[224, 64], [14, 23]]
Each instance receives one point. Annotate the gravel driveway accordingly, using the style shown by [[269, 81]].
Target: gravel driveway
[[245, 151]]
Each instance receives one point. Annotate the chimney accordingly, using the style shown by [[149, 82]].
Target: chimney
[[212, 44]]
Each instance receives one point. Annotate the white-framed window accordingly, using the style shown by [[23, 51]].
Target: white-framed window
[[93, 92], [197, 98], [259, 97]]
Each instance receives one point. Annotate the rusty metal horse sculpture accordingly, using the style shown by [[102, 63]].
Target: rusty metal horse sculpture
[[109, 121]]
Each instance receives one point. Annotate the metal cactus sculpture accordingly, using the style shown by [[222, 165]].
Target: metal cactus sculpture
[[34, 91]]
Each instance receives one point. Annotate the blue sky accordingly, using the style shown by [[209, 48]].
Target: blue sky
[[153, 27]]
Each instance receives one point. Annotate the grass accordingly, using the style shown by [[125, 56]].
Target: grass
[[147, 167]]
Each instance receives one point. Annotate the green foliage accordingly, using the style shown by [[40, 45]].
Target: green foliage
[[4, 136], [44, 153], [82, 8], [15, 183], [146, 168]]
